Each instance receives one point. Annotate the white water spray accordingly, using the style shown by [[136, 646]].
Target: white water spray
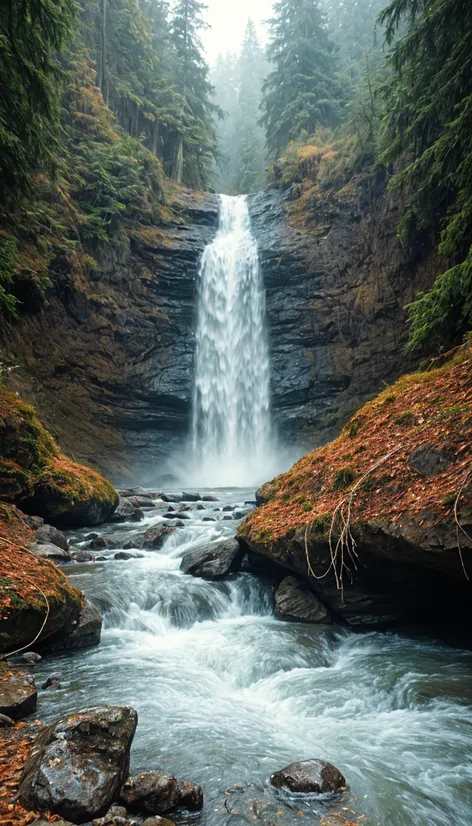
[[231, 411]]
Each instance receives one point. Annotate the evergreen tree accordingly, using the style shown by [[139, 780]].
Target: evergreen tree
[[225, 80], [302, 91], [30, 86], [250, 169], [195, 145], [427, 129]]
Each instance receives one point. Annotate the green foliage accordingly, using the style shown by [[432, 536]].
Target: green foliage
[[31, 32], [344, 477], [8, 261], [301, 92], [427, 127]]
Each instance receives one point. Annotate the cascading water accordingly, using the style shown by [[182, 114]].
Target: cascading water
[[226, 694], [231, 414]]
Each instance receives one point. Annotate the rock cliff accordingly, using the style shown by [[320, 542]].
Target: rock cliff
[[337, 282], [107, 360]]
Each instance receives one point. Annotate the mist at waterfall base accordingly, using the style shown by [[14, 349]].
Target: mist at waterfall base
[[233, 442], [226, 694]]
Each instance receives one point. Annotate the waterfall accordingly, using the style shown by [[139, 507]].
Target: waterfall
[[231, 406]]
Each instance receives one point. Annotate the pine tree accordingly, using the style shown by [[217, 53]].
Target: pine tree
[[302, 91], [427, 130], [30, 87], [195, 145], [250, 172]]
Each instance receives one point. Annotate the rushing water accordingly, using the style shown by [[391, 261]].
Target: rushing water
[[231, 425], [226, 694]]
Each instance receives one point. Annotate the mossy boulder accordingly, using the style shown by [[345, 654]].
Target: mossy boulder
[[31, 589], [36, 475], [378, 523]]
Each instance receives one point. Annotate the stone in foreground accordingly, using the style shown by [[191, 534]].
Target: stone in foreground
[[85, 632], [213, 561], [310, 777], [158, 792], [294, 600], [78, 764], [17, 698]]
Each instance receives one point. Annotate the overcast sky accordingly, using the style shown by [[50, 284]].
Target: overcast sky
[[228, 20]]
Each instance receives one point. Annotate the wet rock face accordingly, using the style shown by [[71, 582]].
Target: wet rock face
[[84, 633], [294, 600], [336, 294], [78, 764], [213, 561], [310, 777], [116, 357], [158, 793]]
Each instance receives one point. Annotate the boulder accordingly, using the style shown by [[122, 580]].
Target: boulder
[[208, 498], [52, 682], [80, 554], [155, 537], [213, 561], [100, 543], [48, 535], [137, 491], [208, 519], [310, 777], [79, 763], [6, 722], [18, 698], [295, 600], [84, 633], [176, 515], [171, 497], [50, 552], [190, 497], [158, 792], [141, 501], [126, 512], [157, 821]]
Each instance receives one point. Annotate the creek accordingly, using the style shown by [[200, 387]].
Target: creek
[[226, 694]]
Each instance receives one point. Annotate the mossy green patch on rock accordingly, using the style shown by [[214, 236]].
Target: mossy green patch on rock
[[34, 473]]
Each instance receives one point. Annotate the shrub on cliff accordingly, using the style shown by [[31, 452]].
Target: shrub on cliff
[[36, 474]]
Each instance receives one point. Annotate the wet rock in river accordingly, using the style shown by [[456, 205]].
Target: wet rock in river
[[171, 497], [126, 512], [80, 555], [84, 633], [78, 764], [310, 777], [200, 507], [52, 682], [208, 519], [6, 722], [101, 543], [157, 821], [158, 792], [48, 535], [190, 497], [294, 600], [18, 698], [213, 561], [174, 515], [155, 537], [208, 498], [50, 552], [141, 501]]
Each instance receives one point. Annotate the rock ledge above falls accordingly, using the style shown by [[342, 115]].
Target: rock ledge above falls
[[395, 480]]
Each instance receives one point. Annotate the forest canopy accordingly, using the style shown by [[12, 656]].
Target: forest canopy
[[103, 102]]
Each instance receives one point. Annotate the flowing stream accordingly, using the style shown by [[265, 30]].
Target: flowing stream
[[232, 440], [226, 694]]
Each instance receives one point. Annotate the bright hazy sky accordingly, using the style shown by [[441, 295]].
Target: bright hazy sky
[[228, 19]]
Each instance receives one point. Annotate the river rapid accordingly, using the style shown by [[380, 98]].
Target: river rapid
[[226, 694]]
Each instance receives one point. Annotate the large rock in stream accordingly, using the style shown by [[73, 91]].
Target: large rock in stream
[[158, 793], [213, 561], [310, 777], [79, 764]]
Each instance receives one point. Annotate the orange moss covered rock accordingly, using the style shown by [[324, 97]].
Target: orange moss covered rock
[[379, 522], [36, 475], [31, 588]]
